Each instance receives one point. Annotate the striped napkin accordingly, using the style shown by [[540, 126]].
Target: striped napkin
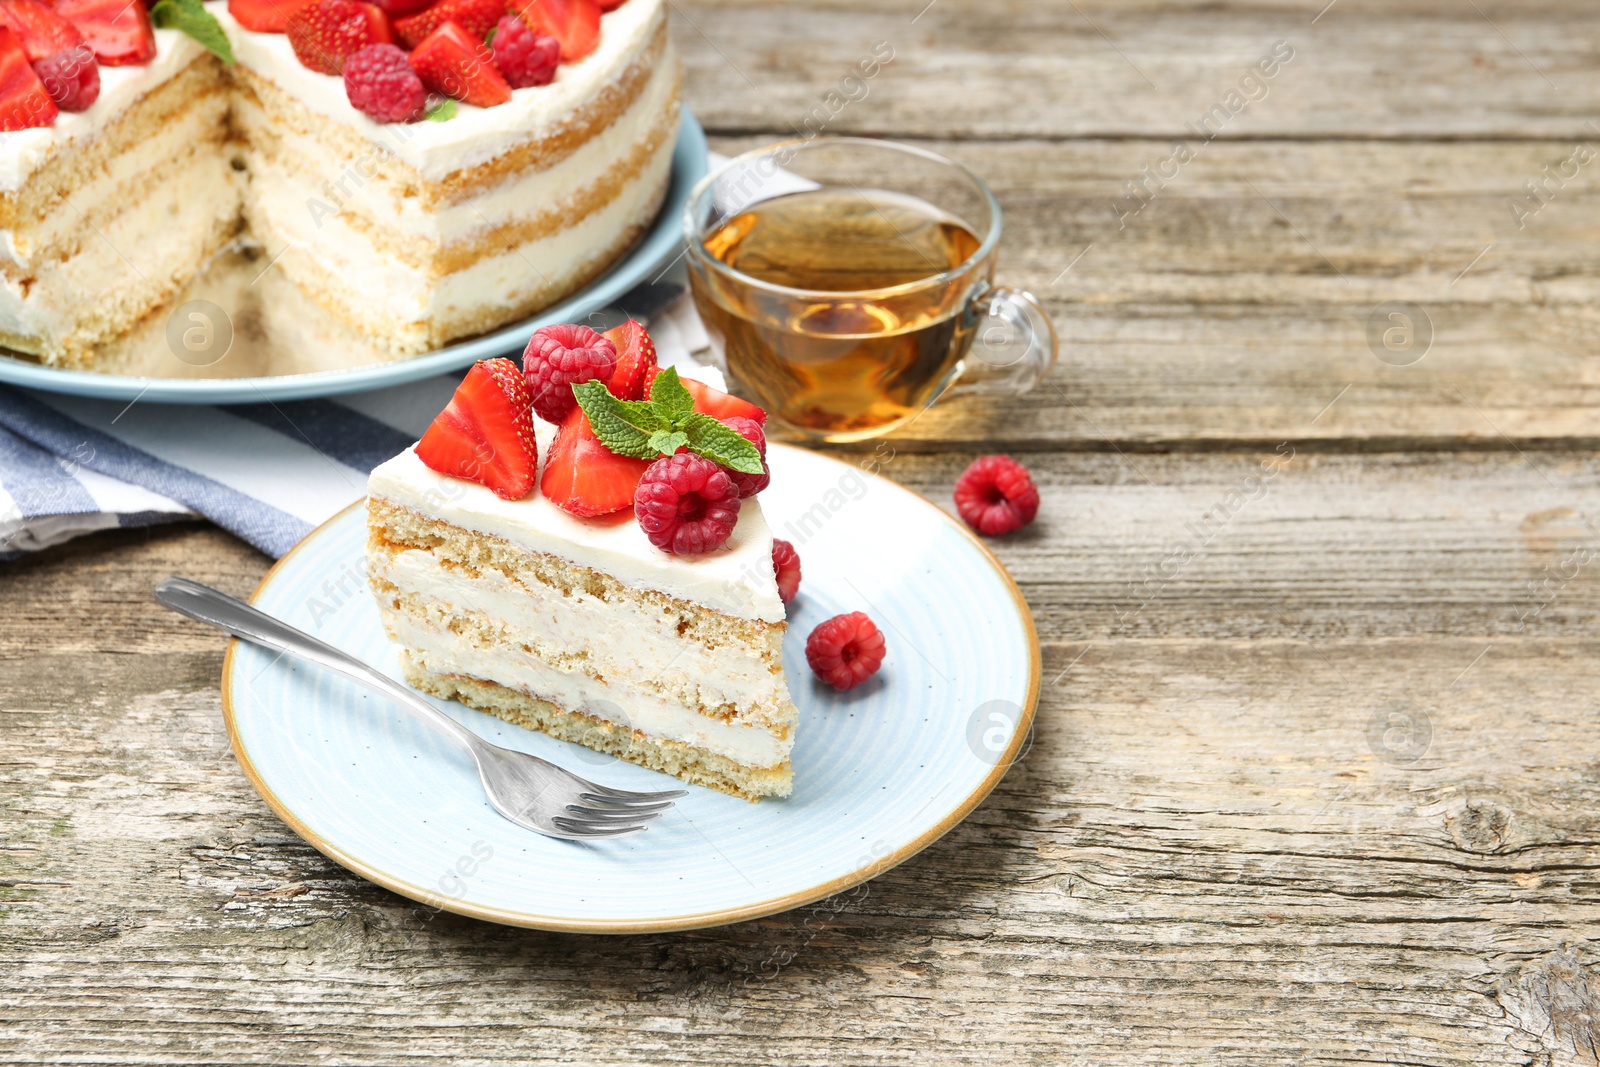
[[267, 472]]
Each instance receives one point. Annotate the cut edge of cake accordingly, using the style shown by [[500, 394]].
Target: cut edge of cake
[[485, 567]]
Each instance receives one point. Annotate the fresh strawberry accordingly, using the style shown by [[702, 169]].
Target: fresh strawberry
[[610, 5], [23, 100], [41, 30], [636, 356], [485, 433], [263, 16], [720, 405], [575, 23], [119, 32], [324, 33], [453, 62], [583, 476], [477, 17]]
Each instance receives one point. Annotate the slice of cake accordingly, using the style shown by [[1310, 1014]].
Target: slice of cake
[[555, 607], [526, 148]]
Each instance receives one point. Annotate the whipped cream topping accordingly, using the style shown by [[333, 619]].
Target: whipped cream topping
[[736, 579], [436, 149], [24, 151], [476, 135]]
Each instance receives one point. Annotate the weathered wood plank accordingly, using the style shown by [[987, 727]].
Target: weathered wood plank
[[1204, 853], [1428, 70], [1234, 308]]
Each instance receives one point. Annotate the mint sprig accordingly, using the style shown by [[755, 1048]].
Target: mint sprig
[[188, 16], [663, 424]]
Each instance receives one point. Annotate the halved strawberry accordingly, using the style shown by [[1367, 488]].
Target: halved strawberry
[[485, 433], [575, 23], [119, 32], [23, 100], [41, 30], [324, 33], [477, 17], [636, 357], [263, 16], [583, 476], [453, 62], [720, 405]]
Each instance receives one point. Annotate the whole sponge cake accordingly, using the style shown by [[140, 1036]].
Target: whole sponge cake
[[414, 234]]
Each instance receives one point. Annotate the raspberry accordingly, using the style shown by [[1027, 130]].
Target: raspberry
[[686, 504], [996, 495], [750, 430], [786, 565], [559, 357], [71, 77], [846, 650], [381, 84], [524, 57]]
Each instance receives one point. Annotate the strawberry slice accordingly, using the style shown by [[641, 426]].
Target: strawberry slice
[[720, 405], [119, 32], [263, 16], [23, 100], [40, 29], [583, 476], [575, 23], [485, 433], [324, 33], [453, 62], [636, 357], [477, 17]]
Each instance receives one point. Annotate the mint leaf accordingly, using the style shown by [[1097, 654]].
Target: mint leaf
[[721, 444], [668, 441], [609, 420], [669, 398], [443, 111], [188, 16]]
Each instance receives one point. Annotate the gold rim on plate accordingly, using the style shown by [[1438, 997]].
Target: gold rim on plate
[[698, 920]]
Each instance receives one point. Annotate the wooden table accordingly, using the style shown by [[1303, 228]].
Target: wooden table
[[1314, 779]]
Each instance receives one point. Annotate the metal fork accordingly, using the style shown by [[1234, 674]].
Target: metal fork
[[529, 791]]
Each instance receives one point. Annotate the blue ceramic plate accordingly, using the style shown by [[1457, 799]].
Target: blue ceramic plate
[[880, 772], [659, 244]]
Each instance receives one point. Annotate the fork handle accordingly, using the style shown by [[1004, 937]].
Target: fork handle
[[189, 597]]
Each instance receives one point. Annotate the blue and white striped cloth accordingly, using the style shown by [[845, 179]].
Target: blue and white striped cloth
[[268, 472]]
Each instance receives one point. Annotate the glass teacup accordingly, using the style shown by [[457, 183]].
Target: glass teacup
[[847, 284]]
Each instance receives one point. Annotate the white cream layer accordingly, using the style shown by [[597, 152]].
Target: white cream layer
[[617, 640], [736, 580], [446, 653], [291, 212], [476, 135], [24, 151], [309, 185], [436, 149]]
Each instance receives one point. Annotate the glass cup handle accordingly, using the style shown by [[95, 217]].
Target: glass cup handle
[[1013, 346]]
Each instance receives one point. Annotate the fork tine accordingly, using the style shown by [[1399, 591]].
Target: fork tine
[[616, 815], [613, 804], [572, 826], [624, 794]]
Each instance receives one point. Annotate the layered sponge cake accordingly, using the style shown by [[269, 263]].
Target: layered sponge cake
[[589, 584], [488, 197]]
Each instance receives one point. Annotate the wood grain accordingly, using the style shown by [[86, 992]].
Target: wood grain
[[1314, 777]]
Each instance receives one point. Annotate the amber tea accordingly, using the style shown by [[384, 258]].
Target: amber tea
[[870, 357]]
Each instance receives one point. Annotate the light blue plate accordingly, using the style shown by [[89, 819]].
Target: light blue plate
[[880, 772], [660, 243]]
